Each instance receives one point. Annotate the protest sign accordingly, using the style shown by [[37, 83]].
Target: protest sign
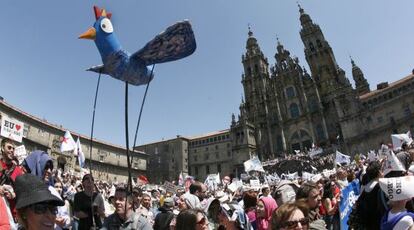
[[398, 188], [255, 184], [399, 139], [392, 163], [170, 187], [11, 128], [253, 164], [349, 196], [20, 153]]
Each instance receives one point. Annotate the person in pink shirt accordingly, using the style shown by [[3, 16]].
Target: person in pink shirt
[[265, 207]]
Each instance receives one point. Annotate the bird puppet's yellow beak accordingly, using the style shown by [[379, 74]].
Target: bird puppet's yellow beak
[[89, 34]]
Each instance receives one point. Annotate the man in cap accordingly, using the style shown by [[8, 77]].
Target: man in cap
[[36, 205], [124, 217], [166, 215]]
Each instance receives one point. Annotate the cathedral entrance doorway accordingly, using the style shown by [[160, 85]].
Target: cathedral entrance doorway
[[301, 140]]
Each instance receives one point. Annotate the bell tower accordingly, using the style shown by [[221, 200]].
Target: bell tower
[[255, 81]]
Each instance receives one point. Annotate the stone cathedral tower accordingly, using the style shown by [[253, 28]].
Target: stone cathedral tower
[[255, 81]]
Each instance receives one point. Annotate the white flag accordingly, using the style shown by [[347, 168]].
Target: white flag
[[68, 144], [253, 164], [80, 154], [399, 139], [392, 163], [341, 158]]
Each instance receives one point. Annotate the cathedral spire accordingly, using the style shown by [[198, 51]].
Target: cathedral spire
[[361, 83]]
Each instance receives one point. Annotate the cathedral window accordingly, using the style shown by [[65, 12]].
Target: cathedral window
[[218, 167], [256, 69], [207, 169], [294, 110], [290, 92]]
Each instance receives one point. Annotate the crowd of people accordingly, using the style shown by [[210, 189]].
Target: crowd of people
[[34, 195]]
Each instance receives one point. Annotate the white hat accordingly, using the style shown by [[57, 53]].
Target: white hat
[[398, 188]]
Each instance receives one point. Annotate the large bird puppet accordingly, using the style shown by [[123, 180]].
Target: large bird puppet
[[176, 42]]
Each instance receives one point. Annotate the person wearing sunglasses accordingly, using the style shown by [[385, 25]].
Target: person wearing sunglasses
[[191, 219], [9, 170], [291, 216], [36, 205]]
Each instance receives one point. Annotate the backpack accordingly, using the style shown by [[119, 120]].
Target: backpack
[[389, 225]]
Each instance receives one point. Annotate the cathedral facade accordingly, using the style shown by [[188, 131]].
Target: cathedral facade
[[288, 108]]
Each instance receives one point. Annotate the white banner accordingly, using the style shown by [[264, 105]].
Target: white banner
[[11, 128]]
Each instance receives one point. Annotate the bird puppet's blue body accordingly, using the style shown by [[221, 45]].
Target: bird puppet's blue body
[[176, 42]]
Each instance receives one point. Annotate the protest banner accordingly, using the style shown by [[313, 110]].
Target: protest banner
[[11, 128], [349, 196], [20, 153]]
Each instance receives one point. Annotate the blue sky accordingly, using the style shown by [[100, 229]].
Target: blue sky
[[42, 61]]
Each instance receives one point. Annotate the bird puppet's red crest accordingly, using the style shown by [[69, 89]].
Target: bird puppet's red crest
[[101, 12]]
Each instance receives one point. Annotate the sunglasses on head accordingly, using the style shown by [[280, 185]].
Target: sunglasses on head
[[295, 223], [41, 208]]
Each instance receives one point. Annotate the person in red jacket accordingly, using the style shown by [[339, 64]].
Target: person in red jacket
[[9, 170]]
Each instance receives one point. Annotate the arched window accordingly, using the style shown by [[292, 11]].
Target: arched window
[[290, 92], [294, 110]]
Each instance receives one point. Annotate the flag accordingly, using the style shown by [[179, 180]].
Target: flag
[[142, 180], [253, 164], [341, 158], [80, 154], [399, 139], [181, 179], [68, 144], [392, 163]]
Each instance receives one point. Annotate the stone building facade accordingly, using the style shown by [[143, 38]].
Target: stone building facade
[[167, 159], [108, 160], [289, 108]]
